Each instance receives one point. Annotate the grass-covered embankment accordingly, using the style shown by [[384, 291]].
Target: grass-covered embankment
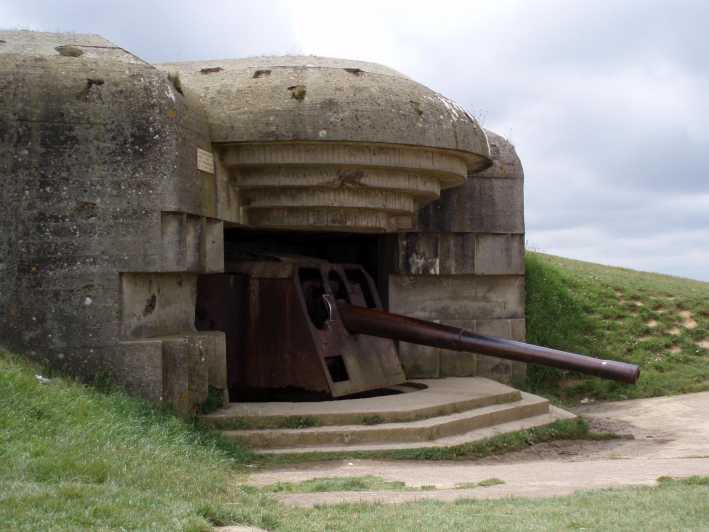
[[75, 458], [656, 321]]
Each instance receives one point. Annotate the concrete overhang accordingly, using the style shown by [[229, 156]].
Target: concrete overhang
[[321, 143]]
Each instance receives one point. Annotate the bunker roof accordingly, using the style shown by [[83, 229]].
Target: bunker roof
[[320, 99]]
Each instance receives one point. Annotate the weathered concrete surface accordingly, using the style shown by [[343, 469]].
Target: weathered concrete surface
[[431, 414], [491, 201], [332, 144], [457, 297], [670, 437], [460, 254], [439, 397], [102, 207], [464, 266], [540, 480], [664, 427], [437, 432], [308, 98], [337, 186]]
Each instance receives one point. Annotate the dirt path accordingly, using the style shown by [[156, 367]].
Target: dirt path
[[666, 436]]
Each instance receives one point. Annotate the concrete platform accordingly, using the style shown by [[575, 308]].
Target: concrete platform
[[423, 399], [431, 413]]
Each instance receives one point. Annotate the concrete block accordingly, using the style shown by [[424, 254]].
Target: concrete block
[[434, 362], [136, 366], [189, 360], [229, 202], [495, 368], [464, 364], [499, 254], [501, 328], [212, 246], [181, 242], [176, 364], [458, 363], [419, 361], [461, 297], [481, 205], [216, 358], [491, 201], [434, 253], [458, 254], [519, 330], [157, 304], [191, 243]]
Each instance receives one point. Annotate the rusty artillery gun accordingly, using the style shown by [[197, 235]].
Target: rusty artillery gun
[[310, 325]]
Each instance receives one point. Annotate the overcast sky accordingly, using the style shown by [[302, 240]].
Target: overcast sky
[[607, 102]]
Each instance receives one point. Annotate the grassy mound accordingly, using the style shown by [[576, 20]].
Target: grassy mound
[[75, 458], [656, 321]]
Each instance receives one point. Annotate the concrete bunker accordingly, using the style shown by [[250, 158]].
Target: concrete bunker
[[122, 196]]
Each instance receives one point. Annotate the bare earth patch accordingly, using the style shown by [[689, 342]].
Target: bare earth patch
[[675, 349], [652, 324], [687, 320], [704, 344], [674, 331], [569, 383]]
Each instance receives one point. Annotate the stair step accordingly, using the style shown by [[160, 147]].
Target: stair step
[[554, 414], [420, 431], [424, 399]]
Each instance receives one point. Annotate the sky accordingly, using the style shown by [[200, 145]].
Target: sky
[[607, 103]]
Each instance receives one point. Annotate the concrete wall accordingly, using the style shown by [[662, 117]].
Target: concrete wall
[[464, 266], [106, 220]]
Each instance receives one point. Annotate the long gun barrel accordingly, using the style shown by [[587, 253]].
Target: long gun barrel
[[386, 325]]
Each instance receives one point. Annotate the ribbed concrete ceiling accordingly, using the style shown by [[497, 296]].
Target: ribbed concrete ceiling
[[319, 143]]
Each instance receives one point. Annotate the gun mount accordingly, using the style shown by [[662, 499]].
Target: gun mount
[[307, 324]]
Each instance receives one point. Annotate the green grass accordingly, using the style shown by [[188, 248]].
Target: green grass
[[84, 459], [673, 505], [363, 483], [620, 314], [488, 482], [74, 458], [318, 485]]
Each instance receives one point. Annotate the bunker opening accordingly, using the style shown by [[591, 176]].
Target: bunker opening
[[276, 304]]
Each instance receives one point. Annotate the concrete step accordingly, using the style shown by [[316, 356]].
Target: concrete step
[[420, 399], [423, 431], [554, 414]]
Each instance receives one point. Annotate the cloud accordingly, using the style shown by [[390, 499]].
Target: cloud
[[162, 31], [606, 102]]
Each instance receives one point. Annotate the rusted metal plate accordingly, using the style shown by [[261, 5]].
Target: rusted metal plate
[[281, 335], [222, 305]]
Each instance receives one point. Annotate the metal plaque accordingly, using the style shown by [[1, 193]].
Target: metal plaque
[[205, 161]]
